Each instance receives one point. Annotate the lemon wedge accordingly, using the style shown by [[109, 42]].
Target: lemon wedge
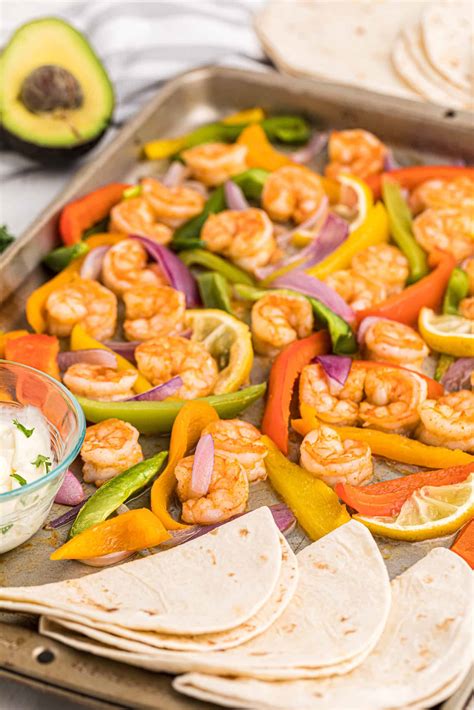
[[431, 511], [450, 334], [365, 198]]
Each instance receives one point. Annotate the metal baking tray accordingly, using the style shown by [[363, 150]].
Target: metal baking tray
[[417, 133]]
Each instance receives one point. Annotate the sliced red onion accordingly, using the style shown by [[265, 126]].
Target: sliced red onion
[[178, 275], [92, 265], [312, 149], [336, 367], [234, 197], [107, 560], [458, 375], [364, 326], [126, 350], [68, 517], [160, 392], [203, 465], [197, 187], [389, 162], [93, 356], [175, 174], [71, 492], [315, 220], [308, 285]]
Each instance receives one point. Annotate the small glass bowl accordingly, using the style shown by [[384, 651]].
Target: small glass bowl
[[24, 510]]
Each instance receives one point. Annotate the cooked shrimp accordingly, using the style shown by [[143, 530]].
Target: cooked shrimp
[[392, 398], [172, 205], [278, 319], [245, 237], [234, 439], [457, 193], [135, 216], [214, 163], [448, 421], [292, 192], [153, 310], [109, 448], [227, 495], [332, 402], [98, 382], [160, 359], [468, 267], [448, 229], [357, 152], [82, 301], [396, 343], [324, 454], [125, 267], [356, 290], [382, 263], [466, 308]]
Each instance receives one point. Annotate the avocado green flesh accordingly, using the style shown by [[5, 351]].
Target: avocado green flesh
[[51, 41]]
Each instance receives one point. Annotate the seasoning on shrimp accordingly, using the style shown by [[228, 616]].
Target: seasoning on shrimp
[[245, 237], [153, 310], [278, 319], [160, 359], [396, 343], [357, 291], [292, 192], [242, 442], [448, 229], [214, 163], [136, 216], [333, 403], [227, 494], [324, 454], [172, 205], [355, 151], [109, 448], [125, 267], [98, 382], [382, 263], [448, 421], [457, 193], [83, 302]]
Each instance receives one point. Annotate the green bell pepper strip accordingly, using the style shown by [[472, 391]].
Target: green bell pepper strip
[[158, 417], [282, 129], [342, 336], [457, 289], [58, 259], [208, 260], [108, 497], [214, 291], [444, 362], [400, 222]]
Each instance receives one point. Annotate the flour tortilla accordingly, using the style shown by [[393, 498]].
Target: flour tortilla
[[426, 644], [333, 621], [208, 585], [447, 31]]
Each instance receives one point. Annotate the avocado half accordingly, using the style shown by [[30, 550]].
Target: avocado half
[[56, 99]]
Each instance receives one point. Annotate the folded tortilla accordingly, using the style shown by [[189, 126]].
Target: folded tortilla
[[426, 645], [209, 585]]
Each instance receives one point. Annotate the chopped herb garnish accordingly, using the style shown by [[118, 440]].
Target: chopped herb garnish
[[26, 432], [18, 478], [42, 461], [5, 238]]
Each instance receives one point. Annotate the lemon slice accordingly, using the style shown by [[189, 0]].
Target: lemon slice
[[365, 198], [228, 340], [450, 334], [431, 511]]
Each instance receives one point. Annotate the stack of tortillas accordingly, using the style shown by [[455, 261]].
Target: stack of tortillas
[[253, 626], [415, 49]]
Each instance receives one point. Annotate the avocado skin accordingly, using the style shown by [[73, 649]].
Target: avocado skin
[[50, 157]]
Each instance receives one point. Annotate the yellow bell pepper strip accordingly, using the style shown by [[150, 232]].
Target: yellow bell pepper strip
[[158, 417], [390, 446], [10, 335], [131, 531], [314, 504], [36, 350], [185, 434], [374, 230], [260, 152], [81, 340]]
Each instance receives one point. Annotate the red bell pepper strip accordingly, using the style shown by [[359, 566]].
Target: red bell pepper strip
[[39, 351], [81, 214], [414, 176], [464, 544], [435, 389], [387, 497], [285, 370], [404, 307]]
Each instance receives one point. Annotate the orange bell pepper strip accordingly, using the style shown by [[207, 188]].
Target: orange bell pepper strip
[[428, 292], [83, 213], [415, 175], [39, 351], [386, 498], [37, 300], [185, 434], [464, 544], [285, 370], [435, 389], [10, 335], [260, 152], [131, 531]]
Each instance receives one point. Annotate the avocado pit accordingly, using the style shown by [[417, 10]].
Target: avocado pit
[[51, 88]]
